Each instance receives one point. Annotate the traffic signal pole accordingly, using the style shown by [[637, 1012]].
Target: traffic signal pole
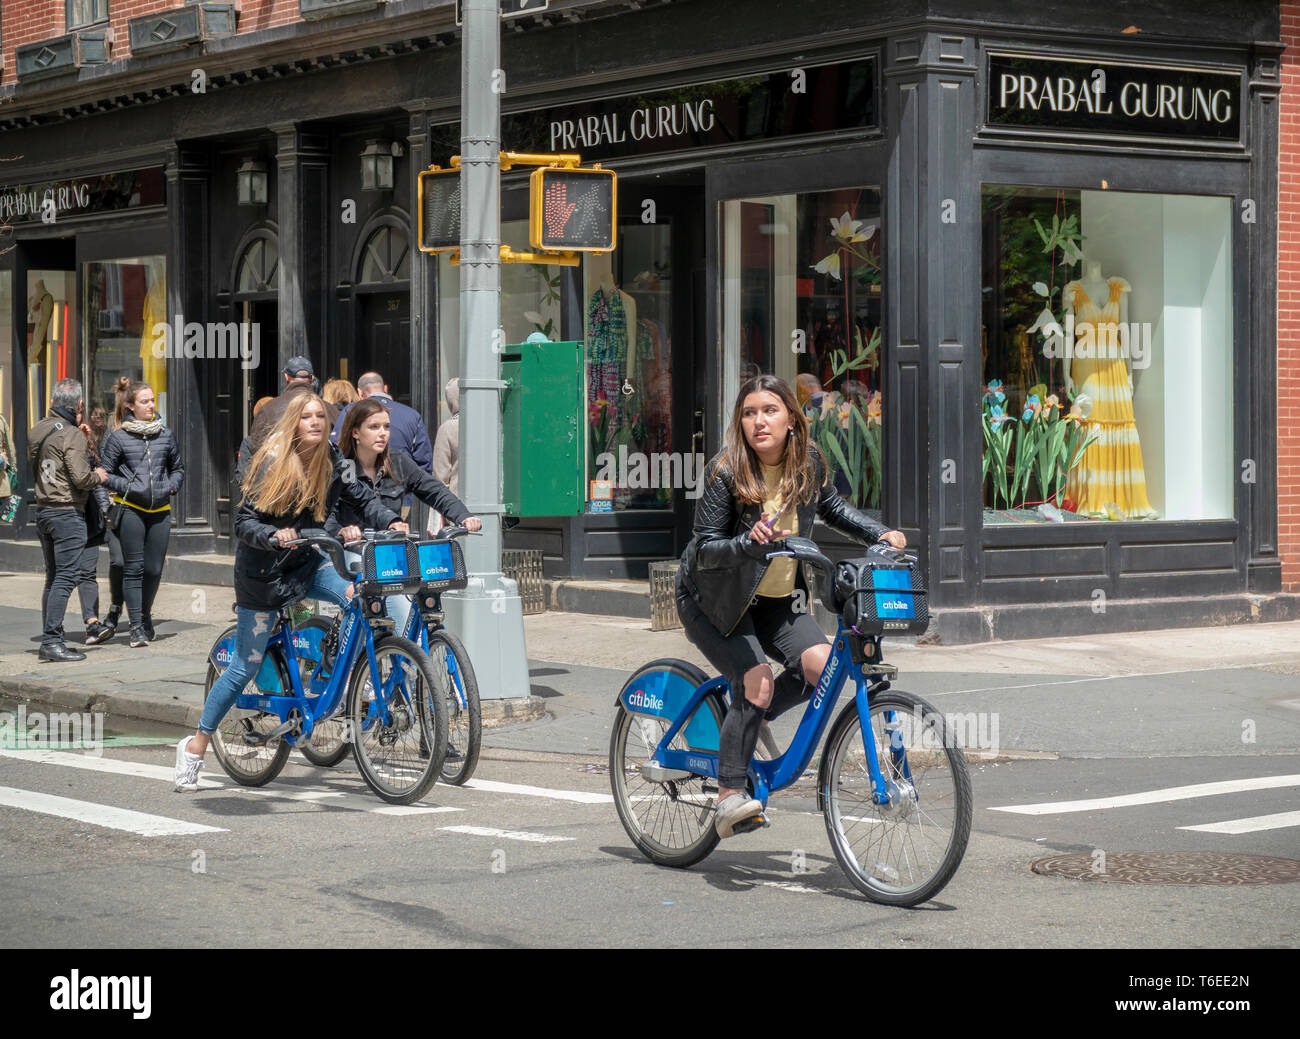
[[488, 615]]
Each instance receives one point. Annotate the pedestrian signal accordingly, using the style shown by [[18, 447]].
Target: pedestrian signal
[[573, 210], [439, 210]]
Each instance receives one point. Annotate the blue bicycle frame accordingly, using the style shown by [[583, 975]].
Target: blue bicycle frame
[[657, 695], [324, 696]]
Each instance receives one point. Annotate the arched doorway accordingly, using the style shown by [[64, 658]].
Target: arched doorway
[[383, 312], [257, 304]]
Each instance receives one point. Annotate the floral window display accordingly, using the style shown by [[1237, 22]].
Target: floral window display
[[802, 300], [1107, 333]]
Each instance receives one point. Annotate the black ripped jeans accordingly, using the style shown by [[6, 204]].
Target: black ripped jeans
[[771, 627]]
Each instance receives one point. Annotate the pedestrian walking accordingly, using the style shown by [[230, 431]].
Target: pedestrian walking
[[768, 483], [8, 474], [340, 393], [60, 464], [446, 449], [143, 462], [296, 479]]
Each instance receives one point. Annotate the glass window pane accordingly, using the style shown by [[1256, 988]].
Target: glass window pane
[[628, 322], [125, 317], [801, 299], [1107, 346]]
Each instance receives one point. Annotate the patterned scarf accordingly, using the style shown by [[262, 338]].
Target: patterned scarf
[[144, 429]]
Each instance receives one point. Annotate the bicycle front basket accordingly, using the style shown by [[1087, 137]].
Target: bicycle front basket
[[388, 568], [879, 597], [441, 566]]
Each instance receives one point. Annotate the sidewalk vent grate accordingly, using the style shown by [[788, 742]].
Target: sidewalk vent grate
[[1170, 867], [524, 567], [663, 595]]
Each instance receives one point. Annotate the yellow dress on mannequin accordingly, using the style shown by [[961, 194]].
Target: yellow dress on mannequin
[[1111, 469]]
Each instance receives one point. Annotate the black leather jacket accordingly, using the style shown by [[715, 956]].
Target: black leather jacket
[[722, 567]]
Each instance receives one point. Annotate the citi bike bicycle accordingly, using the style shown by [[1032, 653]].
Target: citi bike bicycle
[[318, 635], [382, 687], [892, 785]]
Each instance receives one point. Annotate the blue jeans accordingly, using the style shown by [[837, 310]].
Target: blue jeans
[[253, 632]]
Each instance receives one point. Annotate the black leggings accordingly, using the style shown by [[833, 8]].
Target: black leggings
[[144, 537], [771, 626], [116, 595]]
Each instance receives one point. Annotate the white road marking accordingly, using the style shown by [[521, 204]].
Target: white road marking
[[1278, 821], [580, 796], [100, 815], [1174, 793], [510, 835], [141, 770]]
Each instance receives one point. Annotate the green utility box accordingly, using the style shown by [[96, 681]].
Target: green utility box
[[543, 435]]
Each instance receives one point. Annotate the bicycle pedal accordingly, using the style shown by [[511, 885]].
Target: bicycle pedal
[[754, 822]]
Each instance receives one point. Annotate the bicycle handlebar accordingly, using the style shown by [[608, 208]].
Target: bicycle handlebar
[[805, 550], [332, 547]]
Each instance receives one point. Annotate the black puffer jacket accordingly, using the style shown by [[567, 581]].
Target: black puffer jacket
[[404, 476], [143, 470], [268, 577], [722, 567]]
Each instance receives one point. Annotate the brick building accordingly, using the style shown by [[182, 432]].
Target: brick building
[[864, 183]]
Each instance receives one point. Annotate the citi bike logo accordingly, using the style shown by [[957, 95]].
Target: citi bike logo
[[224, 655], [646, 701], [894, 604], [826, 681], [392, 573], [35, 730]]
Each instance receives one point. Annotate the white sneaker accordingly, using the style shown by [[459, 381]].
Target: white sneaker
[[737, 813], [188, 767]]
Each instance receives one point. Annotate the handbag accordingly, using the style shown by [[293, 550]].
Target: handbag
[[96, 525], [113, 518]]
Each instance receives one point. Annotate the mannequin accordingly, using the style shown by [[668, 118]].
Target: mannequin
[[1111, 471], [42, 303]]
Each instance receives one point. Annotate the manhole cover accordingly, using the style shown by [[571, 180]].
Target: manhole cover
[[1170, 867]]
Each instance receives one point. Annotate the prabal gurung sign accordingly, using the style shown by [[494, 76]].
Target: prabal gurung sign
[[52, 201], [1101, 97]]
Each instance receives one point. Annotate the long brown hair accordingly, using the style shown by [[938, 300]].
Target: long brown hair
[[798, 478], [352, 421], [279, 482], [124, 392]]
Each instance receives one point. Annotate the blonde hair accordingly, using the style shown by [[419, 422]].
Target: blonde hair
[[279, 482], [340, 391], [798, 478]]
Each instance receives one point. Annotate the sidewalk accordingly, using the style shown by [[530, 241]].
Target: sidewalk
[[1135, 692]]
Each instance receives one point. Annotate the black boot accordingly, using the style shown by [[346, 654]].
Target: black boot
[[61, 653], [146, 622], [111, 618]]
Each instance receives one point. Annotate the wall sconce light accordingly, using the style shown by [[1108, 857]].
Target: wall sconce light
[[251, 179], [377, 165]]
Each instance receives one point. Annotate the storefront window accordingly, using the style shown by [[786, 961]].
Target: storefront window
[[1107, 356], [51, 337], [530, 302], [801, 299], [628, 320], [125, 299], [7, 346]]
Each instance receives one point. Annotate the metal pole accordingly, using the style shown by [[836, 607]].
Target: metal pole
[[488, 615]]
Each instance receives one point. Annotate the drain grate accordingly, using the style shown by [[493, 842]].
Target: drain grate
[[1170, 867]]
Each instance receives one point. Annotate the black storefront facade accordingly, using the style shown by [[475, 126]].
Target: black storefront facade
[[787, 190]]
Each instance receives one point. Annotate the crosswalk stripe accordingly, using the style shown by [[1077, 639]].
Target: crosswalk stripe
[[139, 769], [580, 796], [510, 835], [1277, 821], [1175, 793], [100, 815]]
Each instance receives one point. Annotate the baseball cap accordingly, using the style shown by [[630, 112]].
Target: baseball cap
[[299, 368]]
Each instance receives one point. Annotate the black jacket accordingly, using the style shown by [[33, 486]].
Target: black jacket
[[268, 577], [722, 567], [143, 471], [404, 476]]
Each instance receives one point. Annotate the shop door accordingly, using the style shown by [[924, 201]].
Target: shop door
[[263, 318], [384, 342]]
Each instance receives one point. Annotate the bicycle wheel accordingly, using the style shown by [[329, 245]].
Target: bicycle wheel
[[671, 822], [399, 760], [239, 741], [902, 853], [464, 722], [328, 745]]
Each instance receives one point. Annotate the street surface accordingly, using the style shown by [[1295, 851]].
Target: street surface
[[1185, 741]]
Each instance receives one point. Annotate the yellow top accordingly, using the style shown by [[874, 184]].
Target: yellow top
[[778, 582]]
